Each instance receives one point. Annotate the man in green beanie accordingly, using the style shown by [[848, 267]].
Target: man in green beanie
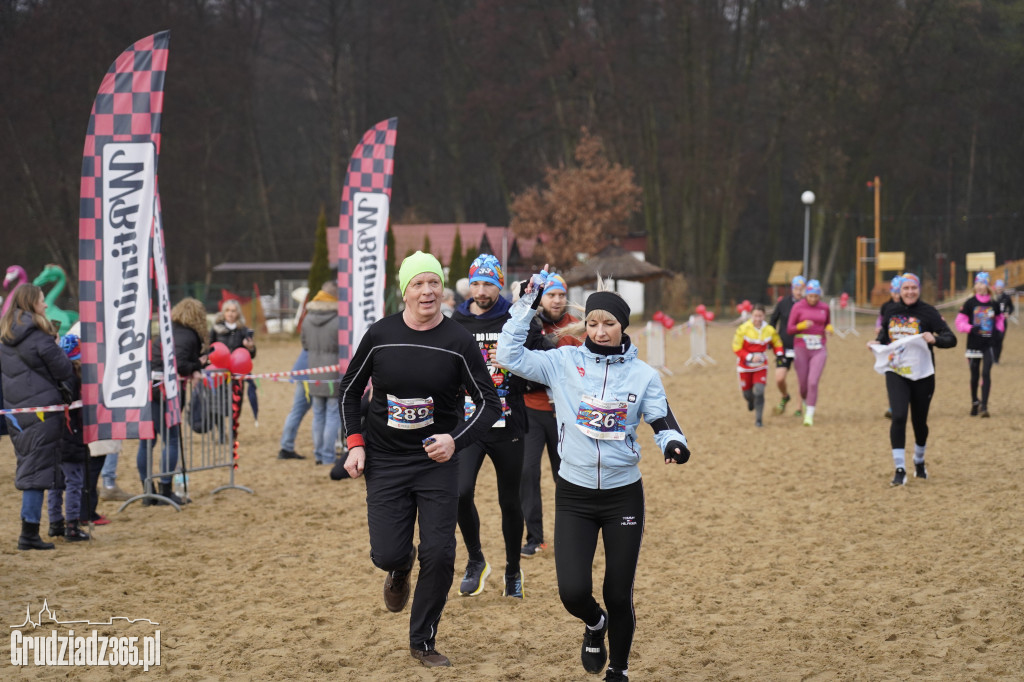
[[417, 360]]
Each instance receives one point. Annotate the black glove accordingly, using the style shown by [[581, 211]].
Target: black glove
[[670, 452]]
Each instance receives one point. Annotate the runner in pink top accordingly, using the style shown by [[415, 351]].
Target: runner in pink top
[[809, 322]]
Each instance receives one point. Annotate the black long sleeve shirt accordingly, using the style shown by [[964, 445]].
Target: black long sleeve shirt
[[418, 379]]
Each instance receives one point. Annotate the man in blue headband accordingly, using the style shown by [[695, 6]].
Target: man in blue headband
[[540, 413], [779, 320]]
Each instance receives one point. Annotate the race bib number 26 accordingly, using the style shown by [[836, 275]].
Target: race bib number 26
[[602, 420], [410, 413]]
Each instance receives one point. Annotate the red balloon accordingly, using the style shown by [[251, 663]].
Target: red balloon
[[709, 315], [740, 307], [220, 356], [241, 361], [843, 303], [658, 316], [844, 296], [701, 308], [668, 322], [747, 304]]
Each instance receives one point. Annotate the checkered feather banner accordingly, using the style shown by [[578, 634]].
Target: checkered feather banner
[[116, 215], [362, 235]]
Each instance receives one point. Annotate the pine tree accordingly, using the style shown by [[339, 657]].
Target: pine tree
[[320, 268], [457, 263]]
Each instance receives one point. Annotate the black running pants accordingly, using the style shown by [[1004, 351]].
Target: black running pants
[[618, 514], [397, 490], [981, 372], [507, 458], [543, 433], [906, 396]]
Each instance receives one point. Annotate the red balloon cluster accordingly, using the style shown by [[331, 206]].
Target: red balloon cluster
[[666, 321], [237, 362], [703, 311], [744, 307], [844, 300]]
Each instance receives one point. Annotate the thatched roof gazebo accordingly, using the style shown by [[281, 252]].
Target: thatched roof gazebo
[[613, 262]]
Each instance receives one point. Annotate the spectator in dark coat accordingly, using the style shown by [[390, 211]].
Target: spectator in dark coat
[[188, 325], [36, 373], [229, 328]]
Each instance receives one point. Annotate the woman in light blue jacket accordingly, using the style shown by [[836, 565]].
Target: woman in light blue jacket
[[600, 392]]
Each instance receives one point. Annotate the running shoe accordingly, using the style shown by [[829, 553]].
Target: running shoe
[[612, 675], [397, 587], [974, 408], [430, 657], [983, 412], [758, 423], [514, 585], [750, 402], [888, 413], [808, 420], [900, 478], [593, 653], [781, 407], [798, 413], [473, 581], [919, 470], [533, 548]]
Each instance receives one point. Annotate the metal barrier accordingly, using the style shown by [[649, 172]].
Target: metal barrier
[[844, 320], [205, 440]]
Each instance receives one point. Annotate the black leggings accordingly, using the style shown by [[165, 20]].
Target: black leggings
[[507, 457], [981, 368], [618, 513], [913, 396]]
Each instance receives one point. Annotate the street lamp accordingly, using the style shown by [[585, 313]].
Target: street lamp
[[808, 199]]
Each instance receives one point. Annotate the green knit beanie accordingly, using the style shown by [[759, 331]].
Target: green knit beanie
[[417, 264]]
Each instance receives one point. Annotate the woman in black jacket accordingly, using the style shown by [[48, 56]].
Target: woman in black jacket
[[188, 326], [909, 317], [36, 373]]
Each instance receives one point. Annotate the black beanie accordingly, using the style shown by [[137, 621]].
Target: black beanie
[[609, 302]]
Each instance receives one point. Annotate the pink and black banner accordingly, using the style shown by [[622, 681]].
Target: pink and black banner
[[362, 236], [118, 205]]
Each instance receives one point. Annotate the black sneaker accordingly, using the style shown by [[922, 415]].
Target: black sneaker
[[593, 653], [289, 454], [750, 403], [473, 580], [919, 470], [533, 548], [983, 412], [73, 533], [430, 658], [974, 408], [56, 529], [612, 675], [900, 478], [514, 585]]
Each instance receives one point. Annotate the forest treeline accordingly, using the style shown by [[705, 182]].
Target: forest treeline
[[725, 110]]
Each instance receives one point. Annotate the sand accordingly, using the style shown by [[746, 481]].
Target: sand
[[775, 554]]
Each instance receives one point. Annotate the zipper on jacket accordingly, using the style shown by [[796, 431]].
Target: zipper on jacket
[[604, 386]]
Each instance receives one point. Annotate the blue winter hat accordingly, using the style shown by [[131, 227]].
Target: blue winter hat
[[486, 268], [69, 344], [981, 278], [894, 285], [554, 282], [813, 288], [798, 281]]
